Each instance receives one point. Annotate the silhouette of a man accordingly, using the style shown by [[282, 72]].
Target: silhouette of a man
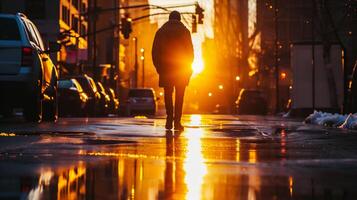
[[172, 55]]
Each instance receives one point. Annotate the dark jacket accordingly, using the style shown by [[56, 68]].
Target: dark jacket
[[172, 54]]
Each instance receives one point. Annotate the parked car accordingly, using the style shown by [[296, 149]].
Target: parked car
[[251, 102], [142, 100], [28, 77], [89, 87], [114, 101], [104, 100], [72, 99]]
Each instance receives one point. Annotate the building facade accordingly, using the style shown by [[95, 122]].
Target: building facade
[[59, 21], [232, 47], [141, 71], [305, 21]]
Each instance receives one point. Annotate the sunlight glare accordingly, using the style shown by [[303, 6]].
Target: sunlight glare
[[194, 165], [195, 120], [197, 65]]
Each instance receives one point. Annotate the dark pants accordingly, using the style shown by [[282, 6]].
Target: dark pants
[[179, 95]]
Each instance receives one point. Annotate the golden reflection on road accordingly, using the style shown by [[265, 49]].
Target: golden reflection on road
[[187, 165], [194, 163], [71, 182], [237, 150], [195, 120], [68, 182], [291, 183], [44, 180]]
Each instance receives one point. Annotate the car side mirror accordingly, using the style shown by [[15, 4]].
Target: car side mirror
[[53, 47]]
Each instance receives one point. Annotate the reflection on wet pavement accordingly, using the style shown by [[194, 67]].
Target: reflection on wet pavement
[[211, 159]]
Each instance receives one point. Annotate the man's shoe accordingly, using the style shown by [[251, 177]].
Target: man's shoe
[[168, 124], [179, 127]]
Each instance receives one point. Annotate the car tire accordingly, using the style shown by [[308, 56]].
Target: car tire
[[6, 112], [152, 112], [33, 107], [50, 108]]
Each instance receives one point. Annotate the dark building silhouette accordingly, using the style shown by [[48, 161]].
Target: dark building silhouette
[[303, 21]]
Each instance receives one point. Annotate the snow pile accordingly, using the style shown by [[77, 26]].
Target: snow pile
[[333, 120]]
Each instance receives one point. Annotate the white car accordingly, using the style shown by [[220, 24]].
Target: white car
[[142, 100], [28, 78]]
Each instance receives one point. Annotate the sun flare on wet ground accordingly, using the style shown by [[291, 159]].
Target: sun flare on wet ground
[[194, 164], [216, 157]]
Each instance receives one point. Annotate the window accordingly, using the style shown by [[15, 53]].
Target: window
[[140, 93], [11, 32], [30, 33], [68, 17], [83, 7], [65, 14], [75, 23], [75, 3], [65, 83], [35, 9], [83, 30], [38, 36]]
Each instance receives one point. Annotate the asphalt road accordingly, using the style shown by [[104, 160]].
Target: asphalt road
[[216, 157]]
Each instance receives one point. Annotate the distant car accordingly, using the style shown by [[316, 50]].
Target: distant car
[[103, 105], [142, 100], [90, 88], [251, 102], [28, 78], [71, 98], [114, 101]]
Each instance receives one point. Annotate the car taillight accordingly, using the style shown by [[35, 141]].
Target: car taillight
[[27, 59]]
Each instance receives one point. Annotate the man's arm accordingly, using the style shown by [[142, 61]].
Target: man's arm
[[155, 53]]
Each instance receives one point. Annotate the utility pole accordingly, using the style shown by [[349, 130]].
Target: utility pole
[[142, 57], [313, 53], [276, 10], [94, 40], [136, 62]]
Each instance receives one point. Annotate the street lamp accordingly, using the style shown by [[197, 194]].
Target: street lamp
[[282, 75], [237, 78], [135, 39]]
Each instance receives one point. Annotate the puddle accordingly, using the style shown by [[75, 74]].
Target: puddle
[[187, 166]]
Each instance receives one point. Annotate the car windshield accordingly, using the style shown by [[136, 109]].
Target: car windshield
[[111, 91], [85, 84], [140, 93], [65, 83], [101, 88], [79, 87], [11, 32], [92, 84]]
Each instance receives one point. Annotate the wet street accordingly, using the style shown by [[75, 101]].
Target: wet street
[[216, 157]]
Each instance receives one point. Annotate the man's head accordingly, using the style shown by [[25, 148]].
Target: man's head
[[175, 15]]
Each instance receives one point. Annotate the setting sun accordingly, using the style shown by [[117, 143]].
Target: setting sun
[[197, 65]]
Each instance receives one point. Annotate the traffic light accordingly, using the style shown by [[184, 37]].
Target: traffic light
[[194, 23], [126, 27], [199, 13]]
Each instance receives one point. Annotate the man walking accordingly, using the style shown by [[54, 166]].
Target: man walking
[[172, 55]]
